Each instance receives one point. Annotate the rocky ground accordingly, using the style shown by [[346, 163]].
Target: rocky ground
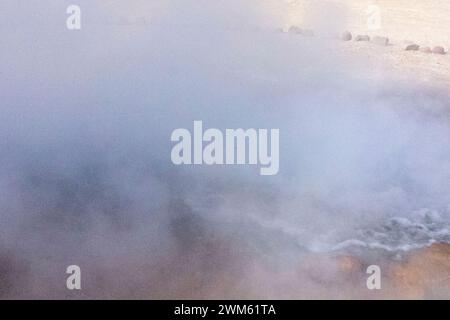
[[421, 274]]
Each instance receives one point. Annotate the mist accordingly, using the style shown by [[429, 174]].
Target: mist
[[86, 176]]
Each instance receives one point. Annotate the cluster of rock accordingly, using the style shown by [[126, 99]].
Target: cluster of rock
[[347, 36], [416, 47], [303, 32], [384, 41]]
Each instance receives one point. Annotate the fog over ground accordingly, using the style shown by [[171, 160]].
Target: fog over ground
[[85, 170]]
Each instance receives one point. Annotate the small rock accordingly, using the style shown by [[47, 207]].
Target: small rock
[[382, 41], [346, 36], [438, 50], [295, 30], [412, 47], [425, 49], [362, 38]]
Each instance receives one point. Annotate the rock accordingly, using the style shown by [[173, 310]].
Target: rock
[[295, 30], [382, 41], [438, 50], [362, 38], [412, 47], [298, 30], [425, 49], [346, 36]]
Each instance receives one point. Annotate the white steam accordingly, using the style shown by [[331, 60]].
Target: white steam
[[85, 170]]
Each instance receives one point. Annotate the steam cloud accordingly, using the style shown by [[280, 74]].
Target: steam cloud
[[85, 170]]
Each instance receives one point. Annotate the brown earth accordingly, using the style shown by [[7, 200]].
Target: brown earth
[[421, 274]]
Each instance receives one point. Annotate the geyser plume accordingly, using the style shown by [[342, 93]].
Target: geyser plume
[[86, 176]]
